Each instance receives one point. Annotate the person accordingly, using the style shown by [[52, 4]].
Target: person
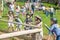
[[32, 7], [47, 11], [28, 20], [17, 10], [11, 6], [27, 6], [54, 28], [54, 11], [36, 7], [51, 12], [31, 13], [51, 36], [18, 26], [10, 21], [43, 8], [38, 36], [23, 10]]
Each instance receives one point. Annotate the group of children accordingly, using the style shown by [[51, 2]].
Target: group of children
[[28, 20], [18, 10], [11, 18]]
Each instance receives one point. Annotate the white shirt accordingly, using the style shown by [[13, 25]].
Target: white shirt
[[52, 9], [24, 9], [12, 7], [43, 8]]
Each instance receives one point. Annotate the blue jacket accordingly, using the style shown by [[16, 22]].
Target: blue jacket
[[54, 29]]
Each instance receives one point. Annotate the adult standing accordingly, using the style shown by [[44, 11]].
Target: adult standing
[[51, 12], [54, 28], [47, 11], [43, 8]]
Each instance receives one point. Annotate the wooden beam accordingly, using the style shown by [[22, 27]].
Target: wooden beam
[[8, 35], [24, 24]]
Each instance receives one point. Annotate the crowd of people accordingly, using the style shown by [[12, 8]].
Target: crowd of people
[[28, 11]]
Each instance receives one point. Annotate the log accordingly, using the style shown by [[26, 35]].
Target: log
[[24, 24], [14, 34]]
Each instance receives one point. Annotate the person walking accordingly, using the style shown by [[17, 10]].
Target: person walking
[[51, 12]]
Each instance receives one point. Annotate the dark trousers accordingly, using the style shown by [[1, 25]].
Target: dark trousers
[[47, 13], [51, 14], [58, 38]]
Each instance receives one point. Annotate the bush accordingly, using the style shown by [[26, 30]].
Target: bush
[[47, 4]]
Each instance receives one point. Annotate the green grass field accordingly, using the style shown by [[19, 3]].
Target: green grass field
[[3, 25]]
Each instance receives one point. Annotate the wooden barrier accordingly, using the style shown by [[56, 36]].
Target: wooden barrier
[[20, 23], [13, 34]]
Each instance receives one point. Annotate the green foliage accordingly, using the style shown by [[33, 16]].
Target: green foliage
[[20, 3], [47, 4]]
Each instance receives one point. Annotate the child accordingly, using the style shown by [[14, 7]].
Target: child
[[38, 24], [39, 36], [31, 13], [26, 6], [28, 20], [18, 26], [23, 10], [10, 20], [17, 10], [11, 7]]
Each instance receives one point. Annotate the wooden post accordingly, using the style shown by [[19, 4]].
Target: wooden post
[[2, 5], [0, 14]]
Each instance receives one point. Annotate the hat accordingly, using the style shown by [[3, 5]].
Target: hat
[[54, 20], [38, 18]]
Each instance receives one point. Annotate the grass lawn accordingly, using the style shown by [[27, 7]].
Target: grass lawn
[[3, 25]]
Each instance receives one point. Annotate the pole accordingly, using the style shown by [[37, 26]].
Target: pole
[[2, 5]]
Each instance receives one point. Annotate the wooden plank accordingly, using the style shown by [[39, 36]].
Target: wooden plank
[[8, 35]]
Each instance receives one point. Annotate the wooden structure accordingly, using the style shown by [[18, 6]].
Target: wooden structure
[[7, 35], [14, 34]]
